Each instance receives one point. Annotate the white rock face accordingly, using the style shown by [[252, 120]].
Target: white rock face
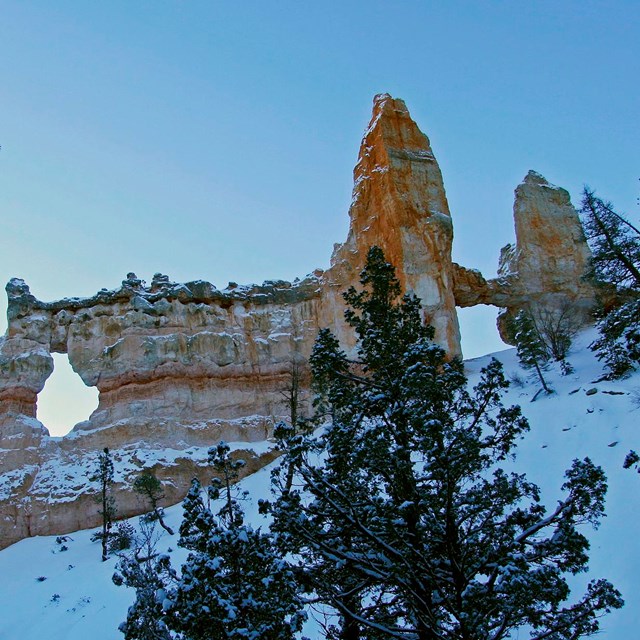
[[178, 368]]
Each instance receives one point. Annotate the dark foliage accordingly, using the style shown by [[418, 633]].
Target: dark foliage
[[121, 538], [615, 244], [401, 517], [533, 352], [147, 485], [234, 583]]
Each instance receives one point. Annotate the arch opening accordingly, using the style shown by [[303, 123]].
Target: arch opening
[[478, 331], [65, 399]]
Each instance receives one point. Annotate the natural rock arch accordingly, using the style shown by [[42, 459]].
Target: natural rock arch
[[179, 366]]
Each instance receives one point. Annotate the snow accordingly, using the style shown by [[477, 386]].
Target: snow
[[77, 600], [63, 479]]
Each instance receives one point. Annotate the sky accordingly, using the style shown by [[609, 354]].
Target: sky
[[216, 140]]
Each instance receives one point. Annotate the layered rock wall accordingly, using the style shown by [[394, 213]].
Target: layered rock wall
[[181, 366], [178, 368]]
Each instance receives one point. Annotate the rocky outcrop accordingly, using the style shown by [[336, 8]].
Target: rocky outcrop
[[551, 252], [56, 494], [400, 204], [545, 270], [180, 366]]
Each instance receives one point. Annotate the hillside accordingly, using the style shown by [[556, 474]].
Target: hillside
[[47, 591]]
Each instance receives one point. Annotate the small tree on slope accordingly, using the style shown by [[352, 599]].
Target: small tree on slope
[[147, 485], [408, 527], [103, 475], [531, 348]]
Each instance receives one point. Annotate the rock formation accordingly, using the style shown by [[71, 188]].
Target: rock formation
[[545, 270], [399, 203], [550, 258], [180, 366]]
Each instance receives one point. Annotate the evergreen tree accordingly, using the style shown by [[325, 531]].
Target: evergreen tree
[[401, 516], [147, 485], [618, 343], [631, 461], [530, 345], [104, 476], [149, 574], [615, 245], [332, 581], [234, 584], [145, 617]]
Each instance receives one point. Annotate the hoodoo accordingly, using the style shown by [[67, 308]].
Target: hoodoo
[[399, 203], [180, 366]]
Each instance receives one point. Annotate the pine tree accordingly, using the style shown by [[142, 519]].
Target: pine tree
[[234, 584], [147, 485], [631, 461], [149, 574], [104, 476], [145, 617], [328, 579], [530, 345], [615, 245], [401, 516], [618, 343]]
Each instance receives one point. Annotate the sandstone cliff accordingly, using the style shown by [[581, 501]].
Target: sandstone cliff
[[180, 366]]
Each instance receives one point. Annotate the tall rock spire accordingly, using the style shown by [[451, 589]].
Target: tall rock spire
[[399, 203], [552, 254]]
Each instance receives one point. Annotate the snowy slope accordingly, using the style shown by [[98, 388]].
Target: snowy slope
[[77, 600]]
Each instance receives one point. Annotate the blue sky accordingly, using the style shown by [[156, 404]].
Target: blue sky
[[216, 140]]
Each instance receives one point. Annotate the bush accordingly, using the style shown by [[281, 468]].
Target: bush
[[121, 537]]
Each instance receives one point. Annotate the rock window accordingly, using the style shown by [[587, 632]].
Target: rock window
[[65, 399]]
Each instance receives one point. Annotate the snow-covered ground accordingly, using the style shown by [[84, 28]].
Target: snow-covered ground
[[48, 592]]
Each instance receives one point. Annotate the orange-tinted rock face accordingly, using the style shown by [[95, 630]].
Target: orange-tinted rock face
[[399, 203], [181, 366]]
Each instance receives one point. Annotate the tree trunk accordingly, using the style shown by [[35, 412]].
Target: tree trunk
[[542, 380]]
